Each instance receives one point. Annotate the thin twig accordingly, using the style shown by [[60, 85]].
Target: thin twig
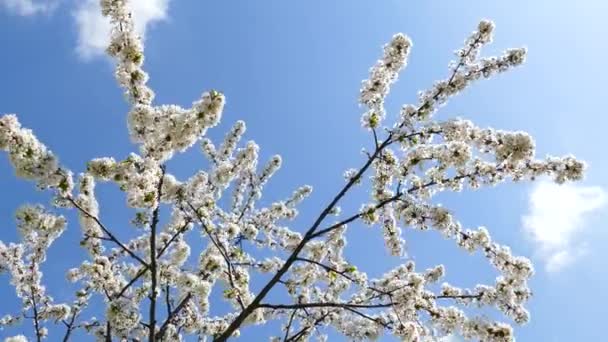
[[175, 311], [217, 243], [69, 326], [288, 328], [107, 231], [36, 321]]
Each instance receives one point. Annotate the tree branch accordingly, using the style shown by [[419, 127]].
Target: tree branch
[[304, 329], [153, 257], [288, 328], [36, 321], [168, 299], [107, 231], [256, 301], [108, 332], [325, 305], [143, 269], [69, 326], [222, 251], [175, 311]]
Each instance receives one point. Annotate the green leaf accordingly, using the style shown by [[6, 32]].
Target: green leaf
[[229, 293], [351, 268], [149, 197]]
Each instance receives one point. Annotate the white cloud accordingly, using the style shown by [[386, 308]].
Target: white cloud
[[556, 218], [450, 338], [93, 29], [28, 7]]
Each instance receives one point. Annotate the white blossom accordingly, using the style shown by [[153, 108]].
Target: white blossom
[[18, 338]]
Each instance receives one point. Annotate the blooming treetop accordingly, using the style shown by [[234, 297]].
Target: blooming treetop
[[152, 292]]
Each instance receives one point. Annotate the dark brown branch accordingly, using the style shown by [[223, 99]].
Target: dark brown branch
[[256, 301], [355, 217], [173, 238], [217, 243], [97, 237], [375, 138], [351, 307], [168, 299], [477, 296], [288, 328], [36, 321], [175, 311], [70, 326], [394, 198], [248, 200], [143, 270], [440, 91], [341, 273], [368, 317], [107, 231], [324, 305], [305, 329], [153, 258], [108, 332]]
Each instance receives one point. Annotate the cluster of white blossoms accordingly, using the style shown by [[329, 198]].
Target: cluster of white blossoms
[[38, 229], [156, 282], [161, 130], [18, 338], [167, 129], [382, 75], [136, 176], [30, 158]]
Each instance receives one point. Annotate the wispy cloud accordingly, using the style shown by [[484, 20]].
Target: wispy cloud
[[450, 338], [27, 7], [93, 29], [557, 218]]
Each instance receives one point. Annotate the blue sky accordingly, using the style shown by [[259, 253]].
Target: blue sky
[[292, 71]]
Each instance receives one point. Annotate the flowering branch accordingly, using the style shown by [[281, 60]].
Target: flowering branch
[[416, 158], [107, 231]]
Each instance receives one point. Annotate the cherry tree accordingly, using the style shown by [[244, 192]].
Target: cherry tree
[[155, 287]]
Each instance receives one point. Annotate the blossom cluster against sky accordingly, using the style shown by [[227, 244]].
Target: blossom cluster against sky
[[292, 71]]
